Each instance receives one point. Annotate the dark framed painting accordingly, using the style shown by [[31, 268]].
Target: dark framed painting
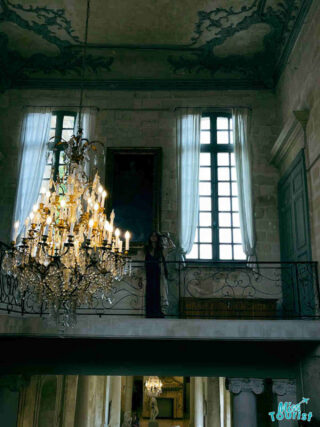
[[133, 178]]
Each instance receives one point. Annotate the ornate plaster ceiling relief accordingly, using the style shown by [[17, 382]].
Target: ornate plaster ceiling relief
[[184, 40], [19, 37], [248, 42]]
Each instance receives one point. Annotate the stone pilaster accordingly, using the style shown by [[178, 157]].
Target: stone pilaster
[[244, 400], [285, 391], [198, 402]]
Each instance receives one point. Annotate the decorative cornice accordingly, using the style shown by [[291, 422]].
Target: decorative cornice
[[141, 84], [288, 136], [282, 62], [284, 386], [253, 385]]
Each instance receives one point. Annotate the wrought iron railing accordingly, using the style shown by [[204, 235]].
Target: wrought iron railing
[[221, 290]]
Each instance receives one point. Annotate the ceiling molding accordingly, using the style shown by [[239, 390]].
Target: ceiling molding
[[283, 60], [142, 84], [289, 137]]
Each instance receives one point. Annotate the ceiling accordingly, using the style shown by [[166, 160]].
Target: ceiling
[[150, 44]]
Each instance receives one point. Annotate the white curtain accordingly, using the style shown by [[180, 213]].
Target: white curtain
[[243, 160], [188, 151], [32, 160], [96, 161]]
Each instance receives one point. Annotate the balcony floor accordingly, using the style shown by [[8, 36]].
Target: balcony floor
[[178, 329]]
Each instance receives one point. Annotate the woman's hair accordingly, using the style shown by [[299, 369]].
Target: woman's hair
[[148, 245]]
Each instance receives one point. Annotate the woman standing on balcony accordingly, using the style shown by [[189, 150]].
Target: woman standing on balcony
[[156, 276]]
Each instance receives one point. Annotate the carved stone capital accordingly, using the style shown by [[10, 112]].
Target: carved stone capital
[[282, 387], [253, 385]]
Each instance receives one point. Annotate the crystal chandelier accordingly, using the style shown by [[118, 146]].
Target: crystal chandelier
[[153, 386], [70, 253]]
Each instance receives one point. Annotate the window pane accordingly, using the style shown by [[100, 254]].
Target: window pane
[[53, 121], [225, 251], [234, 189], [62, 158], [205, 219], [68, 122], [205, 235], [205, 137], [204, 188], [52, 133], [47, 172], [193, 254], [230, 123], [205, 174], [49, 157], [235, 220], [238, 252], [196, 236], [205, 123], [224, 204], [231, 137], [67, 134], [205, 159], [225, 235], [223, 189], [205, 204], [224, 220], [205, 252], [223, 137], [237, 235], [223, 174], [232, 159], [233, 174], [223, 159], [235, 204], [222, 123]]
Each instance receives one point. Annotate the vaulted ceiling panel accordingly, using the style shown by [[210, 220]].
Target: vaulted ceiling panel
[[179, 44]]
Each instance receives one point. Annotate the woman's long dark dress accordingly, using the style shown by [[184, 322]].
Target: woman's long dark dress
[[153, 293]]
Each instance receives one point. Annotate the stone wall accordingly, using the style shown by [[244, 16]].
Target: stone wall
[[299, 89], [147, 119]]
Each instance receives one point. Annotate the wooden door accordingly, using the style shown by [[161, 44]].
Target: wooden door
[[297, 280]]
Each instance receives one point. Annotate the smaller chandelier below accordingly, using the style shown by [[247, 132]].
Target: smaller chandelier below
[[153, 386]]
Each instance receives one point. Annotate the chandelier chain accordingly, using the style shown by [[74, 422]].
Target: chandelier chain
[[84, 61]]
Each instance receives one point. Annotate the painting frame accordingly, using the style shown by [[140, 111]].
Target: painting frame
[[149, 155]]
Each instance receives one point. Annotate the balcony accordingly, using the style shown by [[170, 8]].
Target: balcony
[[207, 290]]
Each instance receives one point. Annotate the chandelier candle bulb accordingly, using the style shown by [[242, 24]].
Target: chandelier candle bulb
[[16, 226], [88, 204], [120, 245], [104, 195], [110, 231], [117, 234], [96, 208], [112, 216], [91, 222], [127, 237], [105, 229]]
